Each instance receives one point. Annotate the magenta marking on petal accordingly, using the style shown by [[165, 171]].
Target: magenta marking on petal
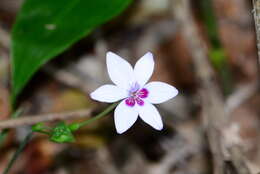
[[136, 95], [130, 101], [143, 93], [139, 101]]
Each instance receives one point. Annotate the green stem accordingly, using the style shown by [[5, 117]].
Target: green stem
[[3, 136], [44, 132], [18, 152], [4, 133], [100, 115]]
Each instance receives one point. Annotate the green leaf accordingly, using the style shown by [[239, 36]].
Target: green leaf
[[217, 57], [45, 28], [41, 128], [38, 127]]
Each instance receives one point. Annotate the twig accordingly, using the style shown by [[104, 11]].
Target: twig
[[30, 120], [4, 132], [233, 150], [173, 157], [240, 96], [212, 103], [4, 38], [238, 160], [256, 12]]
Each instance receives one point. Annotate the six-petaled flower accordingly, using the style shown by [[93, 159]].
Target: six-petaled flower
[[137, 96]]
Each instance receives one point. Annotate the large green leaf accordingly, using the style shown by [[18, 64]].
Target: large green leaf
[[45, 28]]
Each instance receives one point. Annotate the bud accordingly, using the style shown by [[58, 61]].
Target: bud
[[62, 133], [74, 126]]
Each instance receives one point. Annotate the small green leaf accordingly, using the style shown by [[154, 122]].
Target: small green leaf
[[41, 128], [45, 28], [38, 127], [74, 126], [218, 57], [61, 133]]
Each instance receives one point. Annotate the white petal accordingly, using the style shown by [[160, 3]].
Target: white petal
[[150, 115], [144, 68], [108, 93], [160, 92], [120, 71], [125, 117]]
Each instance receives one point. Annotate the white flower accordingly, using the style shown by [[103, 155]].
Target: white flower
[[138, 97]]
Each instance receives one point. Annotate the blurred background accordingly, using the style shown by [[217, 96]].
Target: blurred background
[[178, 34]]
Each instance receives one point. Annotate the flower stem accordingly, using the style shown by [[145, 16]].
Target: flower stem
[[100, 115]]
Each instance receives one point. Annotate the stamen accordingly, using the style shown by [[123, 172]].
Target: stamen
[[139, 101], [136, 95], [143, 93], [130, 101]]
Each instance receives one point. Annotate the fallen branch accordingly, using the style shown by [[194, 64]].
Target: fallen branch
[[238, 160], [33, 119], [240, 95], [256, 12], [212, 103], [4, 38]]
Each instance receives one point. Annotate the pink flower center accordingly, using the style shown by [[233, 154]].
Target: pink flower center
[[136, 96]]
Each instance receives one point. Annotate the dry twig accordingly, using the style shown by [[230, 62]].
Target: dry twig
[[212, 102], [4, 38], [238, 160], [256, 12], [30, 120], [213, 108], [239, 96]]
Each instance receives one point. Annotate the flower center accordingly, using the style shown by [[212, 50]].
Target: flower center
[[136, 95]]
